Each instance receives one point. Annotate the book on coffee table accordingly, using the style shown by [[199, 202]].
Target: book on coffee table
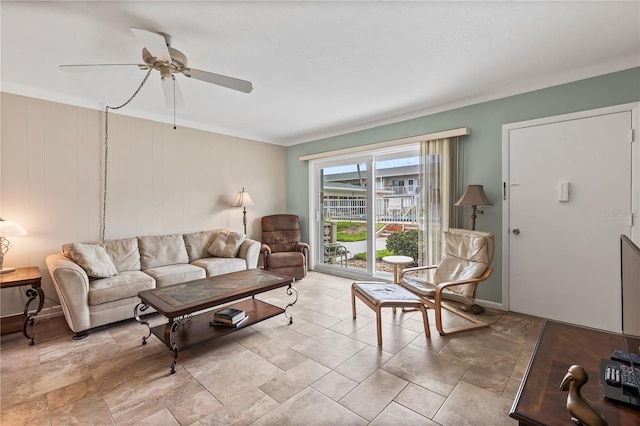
[[229, 316], [226, 324]]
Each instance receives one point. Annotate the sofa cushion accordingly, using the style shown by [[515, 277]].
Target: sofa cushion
[[66, 248], [197, 243], [122, 286], [226, 244], [94, 259], [220, 265], [162, 250], [174, 274], [124, 253]]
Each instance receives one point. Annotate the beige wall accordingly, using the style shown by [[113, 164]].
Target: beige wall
[[161, 180]]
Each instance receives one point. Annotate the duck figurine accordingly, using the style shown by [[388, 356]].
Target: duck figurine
[[583, 412]]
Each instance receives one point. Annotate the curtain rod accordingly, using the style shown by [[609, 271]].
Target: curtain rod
[[460, 131]]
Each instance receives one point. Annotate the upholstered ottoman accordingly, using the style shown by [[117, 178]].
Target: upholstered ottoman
[[381, 295]]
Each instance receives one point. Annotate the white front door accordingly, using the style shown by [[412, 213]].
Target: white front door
[[568, 196]]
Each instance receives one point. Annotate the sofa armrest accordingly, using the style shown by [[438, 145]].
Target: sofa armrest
[[250, 252], [72, 285]]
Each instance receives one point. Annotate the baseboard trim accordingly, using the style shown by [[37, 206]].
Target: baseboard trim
[[490, 304], [51, 312]]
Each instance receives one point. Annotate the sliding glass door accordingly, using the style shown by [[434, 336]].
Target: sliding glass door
[[344, 215], [359, 202]]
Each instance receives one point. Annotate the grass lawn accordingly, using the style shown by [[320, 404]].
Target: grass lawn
[[379, 254], [353, 231], [357, 231]]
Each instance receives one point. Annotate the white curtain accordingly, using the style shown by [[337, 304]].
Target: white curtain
[[438, 166]]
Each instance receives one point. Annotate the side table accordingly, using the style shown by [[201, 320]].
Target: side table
[[21, 277], [397, 262]]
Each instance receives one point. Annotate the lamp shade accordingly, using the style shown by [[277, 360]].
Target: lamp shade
[[242, 199], [473, 196], [10, 229]]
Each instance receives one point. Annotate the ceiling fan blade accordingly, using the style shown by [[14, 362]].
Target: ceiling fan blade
[[172, 92], [95, 67], [220, 80], [155, 43]]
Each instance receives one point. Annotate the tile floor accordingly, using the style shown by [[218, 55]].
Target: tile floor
[[324, 369]]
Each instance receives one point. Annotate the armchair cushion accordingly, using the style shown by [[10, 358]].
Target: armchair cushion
[[283, 246], [94, 259], [467, 256], [422, 285], [286, 259], [226, 244]]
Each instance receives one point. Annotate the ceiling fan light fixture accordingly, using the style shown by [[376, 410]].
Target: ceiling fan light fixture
[[158, 55]]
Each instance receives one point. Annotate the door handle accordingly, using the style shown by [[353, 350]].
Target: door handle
[[516, 231]]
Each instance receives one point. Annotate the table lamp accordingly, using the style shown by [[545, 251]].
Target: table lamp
[[243, 199], [8, 229], [474, 196]]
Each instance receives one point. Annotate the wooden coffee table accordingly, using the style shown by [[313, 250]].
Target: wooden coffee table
[[182, 303]]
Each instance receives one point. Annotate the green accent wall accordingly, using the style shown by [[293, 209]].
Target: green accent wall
[[483, 147]]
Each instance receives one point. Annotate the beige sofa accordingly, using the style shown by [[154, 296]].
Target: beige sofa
[[98, 282]]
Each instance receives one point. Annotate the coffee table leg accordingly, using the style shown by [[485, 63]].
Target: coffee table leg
[[290, 291], [141, 307], [171, 328]]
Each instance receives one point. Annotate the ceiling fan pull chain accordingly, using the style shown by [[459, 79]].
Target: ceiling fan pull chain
[[106, 154]]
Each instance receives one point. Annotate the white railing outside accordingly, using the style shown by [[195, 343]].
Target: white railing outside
[[388, 209]]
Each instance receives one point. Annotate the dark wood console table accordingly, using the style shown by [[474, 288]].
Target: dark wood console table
[[541, 402]]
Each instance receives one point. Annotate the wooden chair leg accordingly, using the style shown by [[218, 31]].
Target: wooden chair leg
[[353, 301], [438, 314], [379, 324], [425, 320]]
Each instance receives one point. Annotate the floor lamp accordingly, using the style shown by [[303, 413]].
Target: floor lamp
[[474, 196], [243, 199]]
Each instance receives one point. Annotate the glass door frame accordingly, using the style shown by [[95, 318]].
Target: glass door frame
[[316, 233]]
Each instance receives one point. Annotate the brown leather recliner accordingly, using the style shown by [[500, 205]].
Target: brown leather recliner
[[282, 250]]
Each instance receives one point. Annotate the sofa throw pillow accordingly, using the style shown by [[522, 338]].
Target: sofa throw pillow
[[226, 244], [93, 259]]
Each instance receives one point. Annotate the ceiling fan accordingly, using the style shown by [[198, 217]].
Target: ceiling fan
[[157, 54]]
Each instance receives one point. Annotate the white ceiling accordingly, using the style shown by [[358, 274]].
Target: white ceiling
[[318, 68]]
